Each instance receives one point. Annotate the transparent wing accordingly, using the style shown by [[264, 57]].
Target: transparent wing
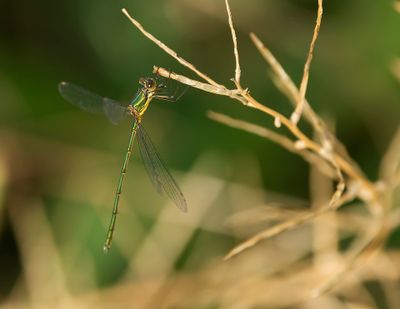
[[92, 102], [158, 172]]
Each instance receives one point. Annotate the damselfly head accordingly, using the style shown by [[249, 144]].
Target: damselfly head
[[148, 83]]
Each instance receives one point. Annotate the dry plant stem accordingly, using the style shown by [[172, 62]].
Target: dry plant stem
[[395, 182], [340, 186], [325, 233], [391, 160], [286, 225], [234, 39], [219, 90], [342, 164], [281, 140], [169, 50], [288, 88], [304, 82], [317, 123]]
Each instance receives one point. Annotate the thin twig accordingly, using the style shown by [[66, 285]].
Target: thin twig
[[288, 87], [286, 225], [234, 39], [277, 138], [334, 158], [325, 233], [391, 159], [219, 90], [319, 126], [304, 82], [280, 139], [340, 187], [169, 51]]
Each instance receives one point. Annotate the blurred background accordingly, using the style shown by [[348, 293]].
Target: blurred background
[[59, 166]]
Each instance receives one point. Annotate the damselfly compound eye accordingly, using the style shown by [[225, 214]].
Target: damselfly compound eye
[[150, 83]]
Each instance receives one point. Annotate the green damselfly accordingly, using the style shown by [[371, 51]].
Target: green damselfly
[[159, 175]]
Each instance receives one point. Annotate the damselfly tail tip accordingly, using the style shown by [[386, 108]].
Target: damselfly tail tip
[[106, 248]]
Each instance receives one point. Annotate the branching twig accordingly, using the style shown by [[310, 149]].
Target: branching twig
[[219, 90], [288, 87], [304, 82], [234, 39], [281, 140], [333, 158]]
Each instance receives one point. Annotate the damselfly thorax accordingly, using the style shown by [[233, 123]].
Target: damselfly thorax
[[141, 101]]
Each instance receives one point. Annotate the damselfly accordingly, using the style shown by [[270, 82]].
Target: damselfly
[[159, 175]]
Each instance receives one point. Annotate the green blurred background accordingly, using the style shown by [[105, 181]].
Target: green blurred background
[[59, 165]]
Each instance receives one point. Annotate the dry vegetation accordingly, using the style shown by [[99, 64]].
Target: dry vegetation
[[296, 260], [328, 158]]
